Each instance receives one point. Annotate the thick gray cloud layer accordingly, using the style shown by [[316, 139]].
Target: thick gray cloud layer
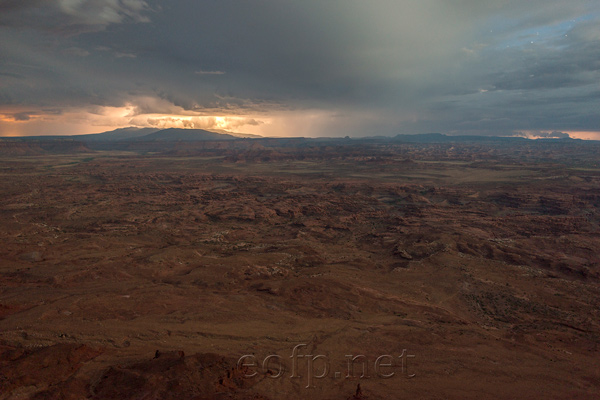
[[376, 67]]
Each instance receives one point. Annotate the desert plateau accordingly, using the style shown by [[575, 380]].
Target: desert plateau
[[341, 269]]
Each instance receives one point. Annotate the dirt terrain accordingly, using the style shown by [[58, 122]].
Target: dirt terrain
[[432, 271]]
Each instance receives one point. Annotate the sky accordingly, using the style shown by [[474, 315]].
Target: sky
[[302, 68]]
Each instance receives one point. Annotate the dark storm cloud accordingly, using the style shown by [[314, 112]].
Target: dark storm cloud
[[7, 6], [71, 16], [571, 60], [21, 116], [381, 66], [11, 75]]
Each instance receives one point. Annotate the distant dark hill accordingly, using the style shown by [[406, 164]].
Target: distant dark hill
[[184, 135], [163, 135], [117, 134]]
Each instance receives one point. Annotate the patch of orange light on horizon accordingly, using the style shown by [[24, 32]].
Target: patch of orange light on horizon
[[11, 119], [10, 133], [589, 135]]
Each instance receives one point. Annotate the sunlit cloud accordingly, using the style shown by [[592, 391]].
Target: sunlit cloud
[[232, 124], [534, 134], [145, 112]]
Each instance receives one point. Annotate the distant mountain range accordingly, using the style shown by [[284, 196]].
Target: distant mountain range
[[441, 138], [117, 135], [161, 135], [172, 135], [183, 135]]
